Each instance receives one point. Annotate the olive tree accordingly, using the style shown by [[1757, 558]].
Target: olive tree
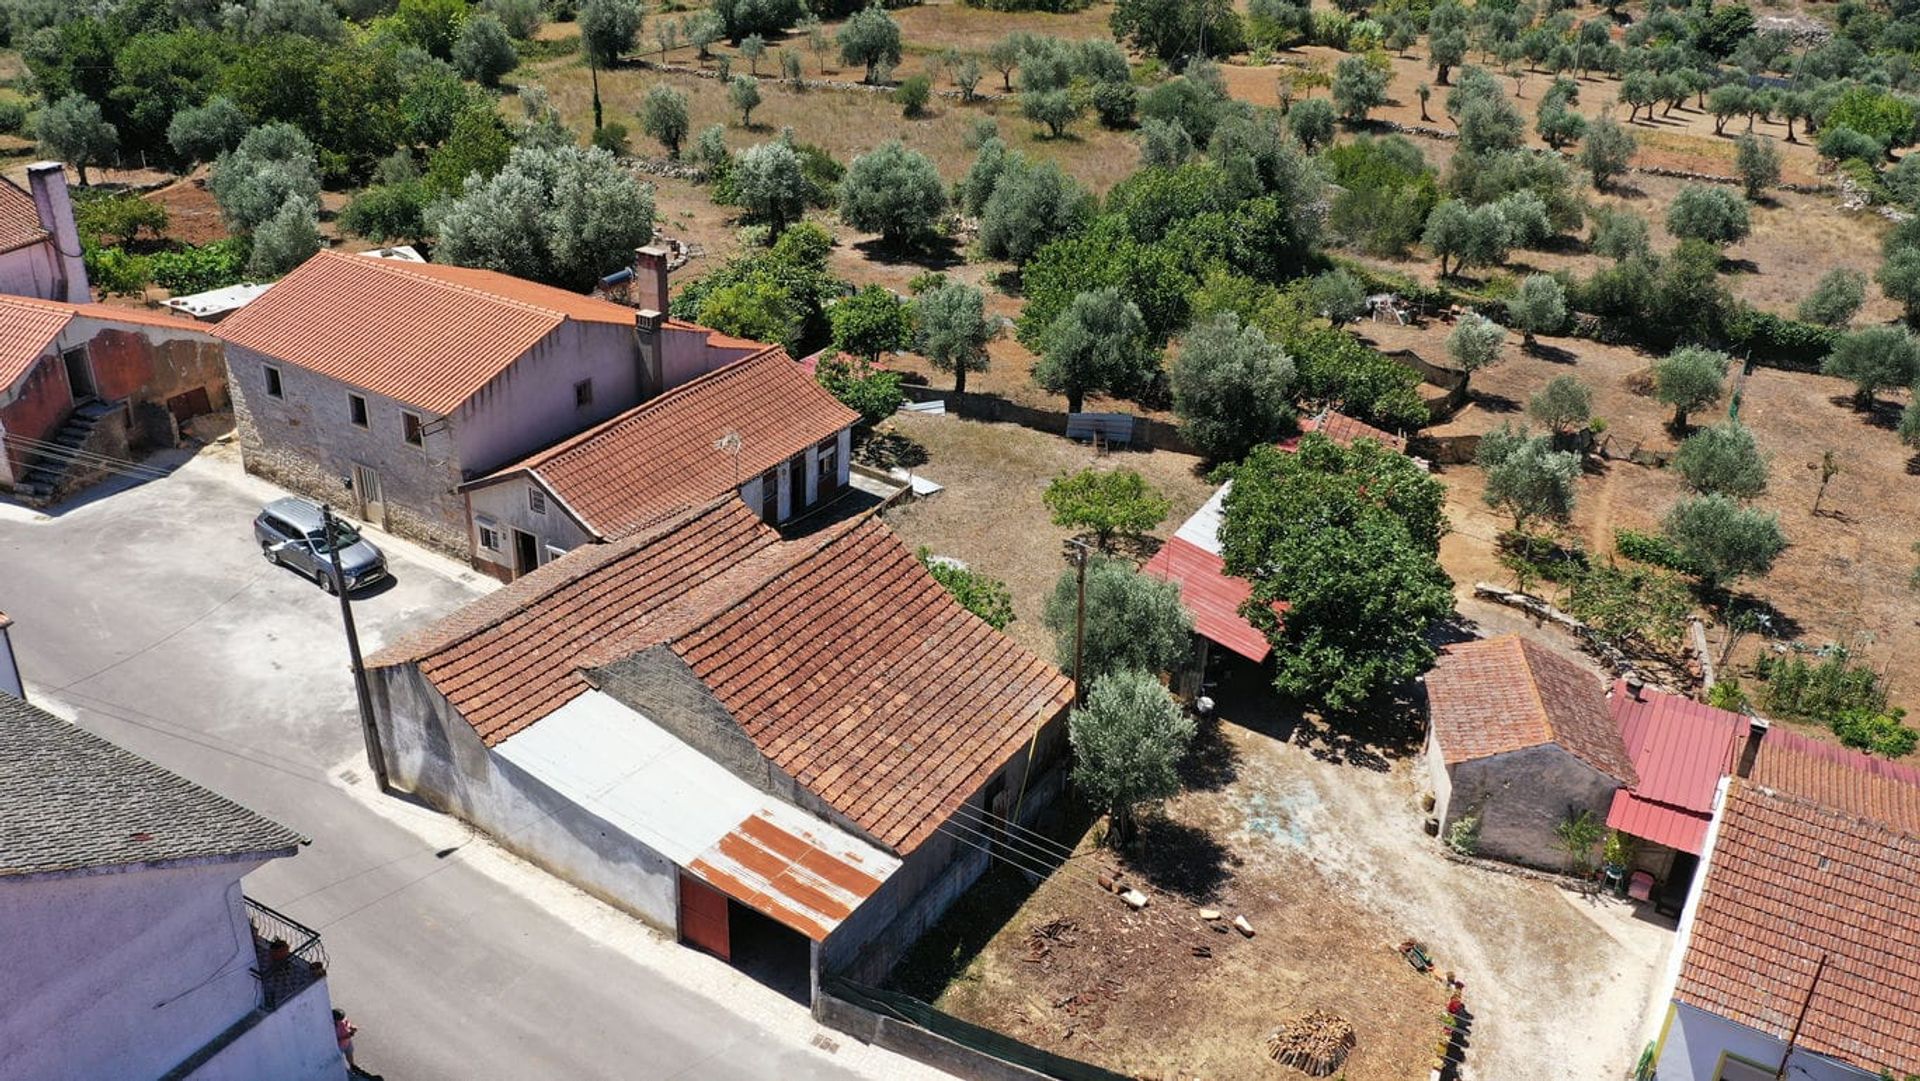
[[1359, 87], [769, 185], [1311, 122], [1564, 405], [607, 31], [1526, 476], [1128, 740], [286, 239], [1714, 215], [484, 50], [1231, 387], [1607, 152], [1758, 164], [953, 330], [206, 131], [1873, 359], [893, 191], [1689, 379], [871, 39], [72, 130], [560, 215], [273, 164], [743, 93], [1899, 279], [1133, 621], [1097, 344], [1539, 307], [665, 115], [1723, 460], [1835, 299], [1474, 344], [1723, 540]]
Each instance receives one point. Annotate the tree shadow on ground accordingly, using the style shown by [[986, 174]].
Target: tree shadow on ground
[[1913, 466], [1212, 762], [1495, 403], [1770, 621], [941, 254], [1180, 859], [1553, 354]]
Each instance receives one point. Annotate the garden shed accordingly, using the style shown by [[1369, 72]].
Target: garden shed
[[1519, 739]]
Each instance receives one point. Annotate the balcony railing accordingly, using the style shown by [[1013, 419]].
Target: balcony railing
[[288, 955]]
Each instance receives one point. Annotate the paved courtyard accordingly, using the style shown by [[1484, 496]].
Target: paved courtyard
[[144, 612]]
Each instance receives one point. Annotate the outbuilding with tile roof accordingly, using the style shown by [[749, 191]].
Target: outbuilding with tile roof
[[861, 734], [381, 385], [1519, 740]]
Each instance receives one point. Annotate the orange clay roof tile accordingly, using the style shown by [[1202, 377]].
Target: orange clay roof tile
[[1496, 695]]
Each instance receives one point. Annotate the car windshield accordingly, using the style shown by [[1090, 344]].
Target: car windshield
[[344, 536]]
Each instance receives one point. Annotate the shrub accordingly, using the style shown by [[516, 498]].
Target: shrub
[[1836, 298], [196, 270], [612, 138], [1845, 144], [1884, 734], [1653, 549], [1723, 460], [1836, 685], [1710, 214], [484, 51], [1115, 103], [116, 220], [115, 270], [913, 95], [1724, 540], [988, 598]]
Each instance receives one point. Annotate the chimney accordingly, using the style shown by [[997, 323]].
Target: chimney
[[1634, 684], [1756, 731], [650, 278], [47, 180]]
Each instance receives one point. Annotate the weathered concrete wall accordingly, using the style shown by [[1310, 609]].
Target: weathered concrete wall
[[916, 1043], [295, 1043], [508, 506], [31, 272], [531, 404], [1696, 1044], [1439, 781], [127, 364], [40, 404], [121, 975], [1521, 796], [432, 752]]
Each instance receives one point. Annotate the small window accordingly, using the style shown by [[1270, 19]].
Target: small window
[[583, 394], [489, 536], [273, 381], [410, 429], [536, 501], [357, 410]]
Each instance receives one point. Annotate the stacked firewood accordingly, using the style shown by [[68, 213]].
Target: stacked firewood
[[1315, 1042]]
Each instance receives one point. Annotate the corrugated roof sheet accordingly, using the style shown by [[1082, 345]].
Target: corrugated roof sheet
[[1212, 595], [1503, 694], [427, 335], [794, 869], [1787, 881], [19, 218], [1680, 748], [848, 666], [659, 458], [73, 802], [1660, 823]]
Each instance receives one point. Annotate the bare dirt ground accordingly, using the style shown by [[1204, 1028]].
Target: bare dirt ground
[[991, 516], [1845, 577], [1315, 837]]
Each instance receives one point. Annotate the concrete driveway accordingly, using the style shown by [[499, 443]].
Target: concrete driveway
[[144, 612]]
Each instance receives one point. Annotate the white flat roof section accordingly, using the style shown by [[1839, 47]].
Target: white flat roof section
[[217, 302], [1203, 529], [773, 857]]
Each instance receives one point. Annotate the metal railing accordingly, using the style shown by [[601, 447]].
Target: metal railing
[[288, 955]]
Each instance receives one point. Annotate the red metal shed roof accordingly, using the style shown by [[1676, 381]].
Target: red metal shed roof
[[807, 880], [1680, 747], [1212, 595]]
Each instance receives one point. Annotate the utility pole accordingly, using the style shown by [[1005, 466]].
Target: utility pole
[[1794, 1036], [1080, 622], [368, 731]]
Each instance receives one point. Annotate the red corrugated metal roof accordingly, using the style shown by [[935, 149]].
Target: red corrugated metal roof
[[1212, 595], [804, 881], [1680, 748], [1660, 823]]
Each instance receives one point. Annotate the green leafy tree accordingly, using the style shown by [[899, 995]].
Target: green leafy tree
[[1758, 164], [1359, 87], [608, 29], [953, 330], [388, 213], [988, 598], [1475, 343], [522, 19], [432, 25], [1056, 110], [477, 147], [1690, 379], [743, 93], [1526, 476], [1714, 215], [1099, 344], [1128, 741], [1619, 235], [1118, 502], [1231, 388], [868, 391], [273, 165], [561, 216], [1338, 295], [1174, 31], [767, 182], [72, 130], [871, 39], [1723, 460], [1607, 152], [1469, 236], [204, 132], [1564, 405], [1873, 359], [893, 191], [484, 51], [1835, 299], [1885, 118], [1539, 307], [871, 322], [1311, 122], [1723, 540], [1133, 622], [285, 240], [1347, 538], [1899, 278], [111, 220], [1029, 206], [665, 115], [1842, 143]]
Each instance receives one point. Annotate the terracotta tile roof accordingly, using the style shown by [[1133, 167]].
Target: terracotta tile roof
[[1497, 695], [1841, 778], [1788, 880], [1343, 429], [27, 328], [659, 458], [427, 335], [514, 656], [19, 218], [848, 666]]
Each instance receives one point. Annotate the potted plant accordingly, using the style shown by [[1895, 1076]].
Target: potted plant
[[1615, 858]]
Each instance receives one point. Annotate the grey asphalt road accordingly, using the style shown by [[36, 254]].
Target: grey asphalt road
[[147, 614]]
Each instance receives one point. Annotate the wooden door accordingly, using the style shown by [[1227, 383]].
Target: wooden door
[[703, 917], [372, 502]]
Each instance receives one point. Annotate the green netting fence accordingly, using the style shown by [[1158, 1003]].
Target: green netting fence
[[912, 1011]]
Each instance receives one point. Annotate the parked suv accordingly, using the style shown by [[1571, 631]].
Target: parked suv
[[290, 535]]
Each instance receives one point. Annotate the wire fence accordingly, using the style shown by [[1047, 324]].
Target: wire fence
[[897, 1008]]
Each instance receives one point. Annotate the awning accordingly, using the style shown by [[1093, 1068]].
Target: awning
[[1661, 823], [1212, 595], [642, 780]]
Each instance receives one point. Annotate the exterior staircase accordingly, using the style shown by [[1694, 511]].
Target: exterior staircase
[[50, 472]]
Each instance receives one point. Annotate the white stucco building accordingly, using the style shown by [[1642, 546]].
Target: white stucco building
[[128, 949]]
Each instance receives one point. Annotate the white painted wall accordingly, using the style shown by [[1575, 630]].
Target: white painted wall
[[293, 1043], [688, 354], [1439, 781], [1697, 1041], [121, 975], [30, 272], [531, 404], [508, 507]]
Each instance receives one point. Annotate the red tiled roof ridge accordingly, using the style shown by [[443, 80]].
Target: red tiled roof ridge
[[1815, 805], [525, 593], [411, 269]]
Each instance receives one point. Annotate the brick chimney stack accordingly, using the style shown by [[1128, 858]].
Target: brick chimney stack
[[650, 278]]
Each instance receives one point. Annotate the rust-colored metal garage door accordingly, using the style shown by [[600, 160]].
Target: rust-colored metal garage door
[[703, 917]]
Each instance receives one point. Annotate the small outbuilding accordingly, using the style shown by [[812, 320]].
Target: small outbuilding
[[1520, 739]]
